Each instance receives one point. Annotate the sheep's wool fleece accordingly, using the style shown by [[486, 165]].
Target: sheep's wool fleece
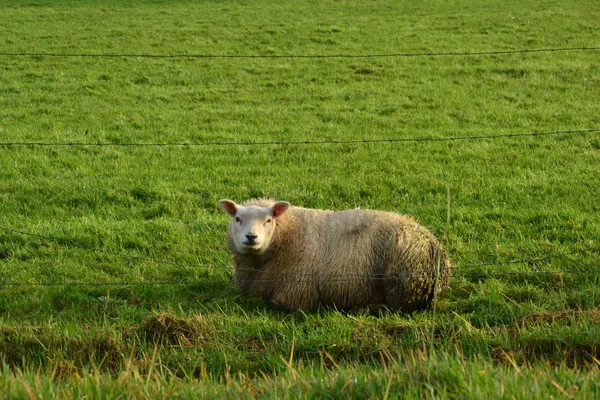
[[346, 259]]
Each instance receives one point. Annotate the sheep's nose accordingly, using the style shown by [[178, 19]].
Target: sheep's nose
[[251, 237]]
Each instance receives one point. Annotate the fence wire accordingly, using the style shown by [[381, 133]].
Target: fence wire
[[323, 280], [466, 53], [301, 142], [297, 277]]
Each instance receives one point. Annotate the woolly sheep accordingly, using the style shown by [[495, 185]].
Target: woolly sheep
[[355, 260]]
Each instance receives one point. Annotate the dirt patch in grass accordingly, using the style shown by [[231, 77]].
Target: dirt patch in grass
[[169, 330], [251, 343], [107, 350], [560, 350], [397, 330], [565, 317], [20, 347], [554, 351]]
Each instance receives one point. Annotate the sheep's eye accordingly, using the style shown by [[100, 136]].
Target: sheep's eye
[[268, 221], [237, 219]]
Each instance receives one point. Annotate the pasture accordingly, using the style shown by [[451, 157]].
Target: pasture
[[123, 123]]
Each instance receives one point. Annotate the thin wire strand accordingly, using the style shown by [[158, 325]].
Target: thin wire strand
[[305, 142], [528, 260], [63, 242], [321, 280], [292, 56], [350, 277], [166, 262]]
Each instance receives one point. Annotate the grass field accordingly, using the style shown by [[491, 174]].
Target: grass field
[[81, 314]]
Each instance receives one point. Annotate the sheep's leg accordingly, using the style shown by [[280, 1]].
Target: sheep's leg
[[279, 307], [375, 310]]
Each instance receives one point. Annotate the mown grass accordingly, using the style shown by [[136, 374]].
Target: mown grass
[[516, 330]]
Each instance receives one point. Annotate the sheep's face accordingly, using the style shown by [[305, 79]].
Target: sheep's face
[[252, 227]]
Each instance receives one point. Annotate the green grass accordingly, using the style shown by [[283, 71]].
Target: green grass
[[496, 333]]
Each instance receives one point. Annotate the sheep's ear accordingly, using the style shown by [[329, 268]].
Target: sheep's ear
[[229, 207], [279, 208]]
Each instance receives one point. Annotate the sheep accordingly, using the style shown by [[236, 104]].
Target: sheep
[[354, 260]]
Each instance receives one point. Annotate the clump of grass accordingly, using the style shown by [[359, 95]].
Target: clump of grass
[[569, 338], [168, 330]]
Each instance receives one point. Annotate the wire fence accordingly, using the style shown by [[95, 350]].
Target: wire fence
[[306, 142], [322, 280], [298, 277], [292, 56], [295, 277]]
